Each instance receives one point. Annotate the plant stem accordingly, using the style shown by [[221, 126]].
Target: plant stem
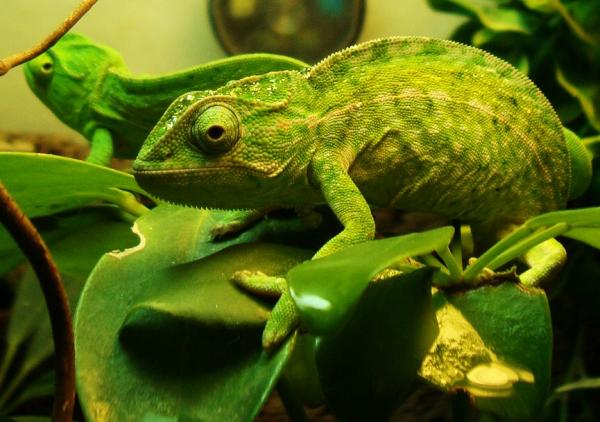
[[528, 243], [126, 201], [34, 248], [483, 261], [293, 407], [432, 261], [451, 264], [16, 59], [456, 247]]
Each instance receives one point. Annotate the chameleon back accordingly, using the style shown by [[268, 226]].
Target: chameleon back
[[444, 127]]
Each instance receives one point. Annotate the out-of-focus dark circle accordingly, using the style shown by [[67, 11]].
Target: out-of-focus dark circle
[[305, 29]]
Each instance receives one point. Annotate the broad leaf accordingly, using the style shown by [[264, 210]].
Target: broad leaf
[[492, 14], [588, 235], [545, 6], [326, 289], [44, 184], [496, 343], [162, 333], [301, 372], [369, 365]]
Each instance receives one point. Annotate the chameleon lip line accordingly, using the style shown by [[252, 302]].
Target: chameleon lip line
[[151, 173]]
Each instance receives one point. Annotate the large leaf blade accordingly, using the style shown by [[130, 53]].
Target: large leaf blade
[[325, 290], [162, 332]]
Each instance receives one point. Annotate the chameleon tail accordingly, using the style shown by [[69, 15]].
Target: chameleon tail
[[581, 164]]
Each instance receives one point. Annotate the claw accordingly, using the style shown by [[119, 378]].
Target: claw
[[284, 315]]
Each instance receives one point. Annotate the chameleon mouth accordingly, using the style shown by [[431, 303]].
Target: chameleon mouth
[[175, 187], [220, 188]]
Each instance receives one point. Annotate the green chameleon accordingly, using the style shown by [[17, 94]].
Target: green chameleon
[[89, 88], [412, 123]]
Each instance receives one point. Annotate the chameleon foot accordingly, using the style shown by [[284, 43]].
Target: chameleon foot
[[284, 315], [232, 222]]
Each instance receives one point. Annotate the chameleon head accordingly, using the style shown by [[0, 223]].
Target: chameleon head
[[223, 151], [63, 76], [581, 165]]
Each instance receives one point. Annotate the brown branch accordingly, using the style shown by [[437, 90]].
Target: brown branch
[[16, 59], [34, 248]]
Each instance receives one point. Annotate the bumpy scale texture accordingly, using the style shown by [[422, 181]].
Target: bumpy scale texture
[[417, 124], [411, 123]]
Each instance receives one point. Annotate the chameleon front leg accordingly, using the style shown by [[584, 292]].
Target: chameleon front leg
[[351, 208], [236, 221], [347, 203], [102, 147]]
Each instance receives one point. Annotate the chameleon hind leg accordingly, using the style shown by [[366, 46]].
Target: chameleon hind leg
[[544, 261]]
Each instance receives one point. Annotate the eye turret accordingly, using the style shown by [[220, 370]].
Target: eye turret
[[216, 129], [42, 67]]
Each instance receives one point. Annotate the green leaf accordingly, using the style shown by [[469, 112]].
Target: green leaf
[[301, 372], [586, 91], [544, 6], [582, 384], [326, 289], [491, 14], [44, 184], [590, 236], [10, 254], [52, 229], [29, 337], [41, 387], [368, 367], [162, 333], [496, 343]]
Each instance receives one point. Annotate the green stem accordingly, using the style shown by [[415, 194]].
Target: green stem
[[474, 269], [575, 27], [126, 201], [292, 405], [523, 246], [466, 241], [432, 261], [455, 270], [36, 251], [456, 248]]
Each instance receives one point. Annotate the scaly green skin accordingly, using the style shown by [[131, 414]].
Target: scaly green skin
[[411, 123], [88, 87]]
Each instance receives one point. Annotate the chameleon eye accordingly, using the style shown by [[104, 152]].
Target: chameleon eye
[[216, 129], [41, 68]]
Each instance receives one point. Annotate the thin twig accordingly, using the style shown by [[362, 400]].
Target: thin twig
[[16, 59], [34, 248]]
